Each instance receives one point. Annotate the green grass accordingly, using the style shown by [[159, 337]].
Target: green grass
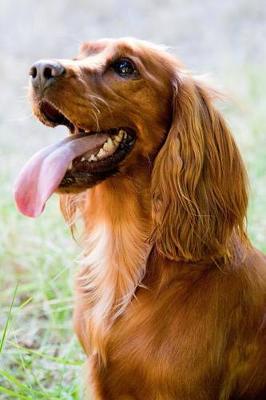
[[39, 354], [40, 357]]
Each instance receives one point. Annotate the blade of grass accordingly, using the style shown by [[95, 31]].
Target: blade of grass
[[46, 356], [23, 387], [12, 393], [25, 303], [8, 319]]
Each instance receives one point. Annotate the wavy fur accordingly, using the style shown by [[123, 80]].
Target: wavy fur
[[199, 182], [170, 294]]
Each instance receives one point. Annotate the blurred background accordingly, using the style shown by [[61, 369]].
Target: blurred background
[[39, 355]]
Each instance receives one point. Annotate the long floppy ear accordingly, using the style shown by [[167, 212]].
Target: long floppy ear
[[199, 184]]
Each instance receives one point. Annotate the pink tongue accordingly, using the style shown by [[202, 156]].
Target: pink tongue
[[42, 174]]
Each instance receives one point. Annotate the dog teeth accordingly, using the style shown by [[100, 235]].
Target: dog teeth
[[119, 137], [109, 145], [92, 158], [101, 154], [106, 150]]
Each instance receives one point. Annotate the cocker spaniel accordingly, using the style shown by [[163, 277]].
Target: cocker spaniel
[[170, 295]]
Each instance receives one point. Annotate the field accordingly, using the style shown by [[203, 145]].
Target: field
[[40, 357]]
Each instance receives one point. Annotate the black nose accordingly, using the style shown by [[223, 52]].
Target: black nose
[[45, 72]]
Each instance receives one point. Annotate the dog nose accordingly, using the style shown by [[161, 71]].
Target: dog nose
[[45, 72]]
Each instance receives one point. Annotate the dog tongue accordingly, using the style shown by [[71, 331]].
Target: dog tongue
[[42, 174]]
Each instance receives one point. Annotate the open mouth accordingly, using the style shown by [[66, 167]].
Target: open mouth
[[99, 160], [80, 161]]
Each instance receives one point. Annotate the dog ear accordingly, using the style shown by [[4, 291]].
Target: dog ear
[[199, 184]]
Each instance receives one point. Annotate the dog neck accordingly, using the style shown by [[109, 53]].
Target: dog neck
[[117, 218]]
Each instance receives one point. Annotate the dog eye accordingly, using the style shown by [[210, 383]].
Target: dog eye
[[124, 67]]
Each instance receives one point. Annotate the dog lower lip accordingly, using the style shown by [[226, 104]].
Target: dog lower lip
[[88, 172]]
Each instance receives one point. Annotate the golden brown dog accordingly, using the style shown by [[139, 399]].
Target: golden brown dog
[[170, 296]]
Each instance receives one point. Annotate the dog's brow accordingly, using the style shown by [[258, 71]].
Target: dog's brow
[[96, 60]]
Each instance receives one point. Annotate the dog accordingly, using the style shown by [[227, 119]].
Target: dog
[[170, 294]]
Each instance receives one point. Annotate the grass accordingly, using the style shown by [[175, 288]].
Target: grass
[[39, 354]]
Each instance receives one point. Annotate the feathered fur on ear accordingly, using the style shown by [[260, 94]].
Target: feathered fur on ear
[[199, 184]]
